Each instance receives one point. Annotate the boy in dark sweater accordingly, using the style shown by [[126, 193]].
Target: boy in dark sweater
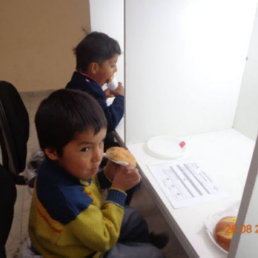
[[96, 58]]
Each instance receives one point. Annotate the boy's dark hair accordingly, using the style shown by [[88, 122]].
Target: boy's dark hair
[[95, 47], [63, 114]]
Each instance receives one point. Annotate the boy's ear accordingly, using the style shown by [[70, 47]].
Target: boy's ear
[[94, 67], [51, 153]]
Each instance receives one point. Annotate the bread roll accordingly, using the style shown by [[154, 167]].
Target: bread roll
[[121, 154], [223, 231]]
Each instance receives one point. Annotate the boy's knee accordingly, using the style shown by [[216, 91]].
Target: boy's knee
[[134, 249], [132, 215]]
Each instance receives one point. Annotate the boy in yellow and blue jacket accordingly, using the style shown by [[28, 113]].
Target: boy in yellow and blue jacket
[[69, 217]]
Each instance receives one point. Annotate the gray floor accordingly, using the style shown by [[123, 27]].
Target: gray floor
[[141, 200]]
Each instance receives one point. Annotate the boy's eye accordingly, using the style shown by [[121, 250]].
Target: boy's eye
[[85, 149]]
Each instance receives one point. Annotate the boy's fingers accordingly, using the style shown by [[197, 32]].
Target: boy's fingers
[[133, 170], [129, 166]]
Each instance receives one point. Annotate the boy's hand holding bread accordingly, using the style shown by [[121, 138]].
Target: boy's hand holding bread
[[126, 178], [122, 177]]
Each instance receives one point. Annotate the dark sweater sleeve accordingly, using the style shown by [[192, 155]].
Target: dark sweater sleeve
[[103, 181], [113, 112]]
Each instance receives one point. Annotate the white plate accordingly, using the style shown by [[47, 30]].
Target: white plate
[[166, 147]]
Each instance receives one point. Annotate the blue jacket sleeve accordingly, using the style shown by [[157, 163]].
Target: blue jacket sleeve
[[113, 112]]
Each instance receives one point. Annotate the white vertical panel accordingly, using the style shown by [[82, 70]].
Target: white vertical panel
[[108, 16], [184, 62], [245, 241], [246, 118]]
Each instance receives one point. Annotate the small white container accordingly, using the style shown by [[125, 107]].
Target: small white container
[[113, 84]]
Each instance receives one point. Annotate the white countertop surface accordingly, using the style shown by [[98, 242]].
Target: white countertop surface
[[225, 156]]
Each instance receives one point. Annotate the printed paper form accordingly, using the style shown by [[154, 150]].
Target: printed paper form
[[185, 183]]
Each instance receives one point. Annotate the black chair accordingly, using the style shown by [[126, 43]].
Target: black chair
[[7, 200], [14, 124], [14, 134]]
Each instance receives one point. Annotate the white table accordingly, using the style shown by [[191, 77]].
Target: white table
[[225, 156]]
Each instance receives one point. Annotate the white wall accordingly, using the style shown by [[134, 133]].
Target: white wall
[[184, 64], [246, 119], [37, 41], [108, 16]]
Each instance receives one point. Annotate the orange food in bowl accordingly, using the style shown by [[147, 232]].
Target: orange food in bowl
[[223, 231]]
